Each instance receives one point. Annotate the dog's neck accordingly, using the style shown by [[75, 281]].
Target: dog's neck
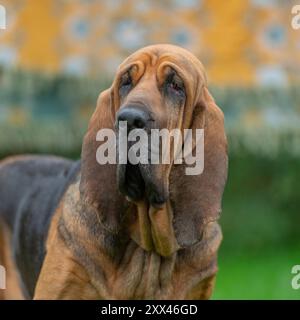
[[128, 265]]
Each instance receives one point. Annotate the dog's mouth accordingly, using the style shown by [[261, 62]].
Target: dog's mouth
[[131, 182], [137, 183]]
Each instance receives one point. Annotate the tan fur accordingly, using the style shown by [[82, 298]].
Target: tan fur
[[62, 277], [187, 274]]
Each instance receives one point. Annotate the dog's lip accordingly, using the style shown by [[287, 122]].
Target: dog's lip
[[155, 198], [132, 188], [158, 205]]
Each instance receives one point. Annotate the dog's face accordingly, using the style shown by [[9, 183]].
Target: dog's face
[[155, 88], [158, 87]]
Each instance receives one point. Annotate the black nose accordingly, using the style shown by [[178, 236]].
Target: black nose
[[136, 118]]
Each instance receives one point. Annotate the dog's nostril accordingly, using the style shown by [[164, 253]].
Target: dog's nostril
[[121, 118], [139, 123]]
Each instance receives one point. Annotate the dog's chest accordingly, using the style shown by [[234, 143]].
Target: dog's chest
[[187, 274]]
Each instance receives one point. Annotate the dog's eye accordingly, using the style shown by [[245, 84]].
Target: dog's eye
[[126, 81], [175, 85]]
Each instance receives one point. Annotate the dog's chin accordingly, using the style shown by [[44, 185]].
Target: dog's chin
[[136, 183]]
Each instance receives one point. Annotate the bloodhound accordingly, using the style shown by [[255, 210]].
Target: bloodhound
[[81, 230]]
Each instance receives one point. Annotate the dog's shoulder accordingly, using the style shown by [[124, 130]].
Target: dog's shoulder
[[31, 188]]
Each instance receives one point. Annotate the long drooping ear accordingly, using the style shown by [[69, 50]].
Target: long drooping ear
[[98, 184], [196, 199]]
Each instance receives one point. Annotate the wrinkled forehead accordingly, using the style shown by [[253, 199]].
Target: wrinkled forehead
[[181, 60]]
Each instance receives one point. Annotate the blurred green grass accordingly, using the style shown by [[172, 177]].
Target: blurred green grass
[[260, 223], [266, 275], [261, 202]]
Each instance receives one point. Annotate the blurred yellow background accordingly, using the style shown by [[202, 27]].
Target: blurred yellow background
[[244, 42]]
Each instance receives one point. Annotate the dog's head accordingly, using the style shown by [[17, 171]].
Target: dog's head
[[158, 87]]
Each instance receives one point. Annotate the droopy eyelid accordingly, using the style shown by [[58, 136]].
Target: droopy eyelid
[[125, 78], [173, 76]]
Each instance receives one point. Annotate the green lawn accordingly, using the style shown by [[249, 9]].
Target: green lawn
[[260, 276]]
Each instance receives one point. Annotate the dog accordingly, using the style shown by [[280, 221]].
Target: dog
[[81, 230]]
